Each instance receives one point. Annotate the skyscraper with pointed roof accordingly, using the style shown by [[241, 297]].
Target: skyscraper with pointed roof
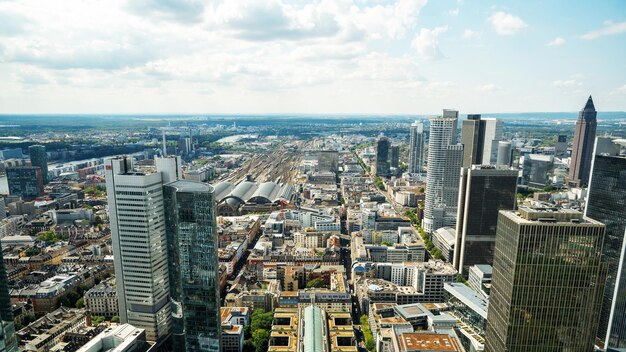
[[582, 148]]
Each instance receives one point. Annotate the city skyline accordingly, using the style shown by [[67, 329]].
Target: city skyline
[[391, 57]]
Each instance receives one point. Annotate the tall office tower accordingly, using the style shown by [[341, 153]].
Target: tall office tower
[[582, 147], [382, 157], [483, 192], [8, 340], [135, 201], [504, 153], [394, 156], [472, 138], [3, 209], [494, 131], [25, 181], [328, 160], [480, 139], [548, 281], [193, 265], [606, 202], [561, 146], [170, 167], [444, 163], [416, 148], [39, 158]]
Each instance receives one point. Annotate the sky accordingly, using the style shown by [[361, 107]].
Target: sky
[[328, 56]]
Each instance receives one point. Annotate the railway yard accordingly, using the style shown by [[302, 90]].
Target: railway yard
[[279, 165]]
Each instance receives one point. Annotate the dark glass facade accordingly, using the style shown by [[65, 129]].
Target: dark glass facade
[[39, 158], [548, 281], [25, 181], [473, 139], [8, 340], [607, 203], [483, 193], [382, 157], [193, 265]]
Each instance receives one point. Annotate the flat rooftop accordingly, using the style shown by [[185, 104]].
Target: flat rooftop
[[427, 342]]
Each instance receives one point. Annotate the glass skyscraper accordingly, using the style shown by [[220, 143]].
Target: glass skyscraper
[[483, 192], [193, 265], [606, 202], [416, 148], [548, 281], [8, 340], [39, 158], [382, 157]]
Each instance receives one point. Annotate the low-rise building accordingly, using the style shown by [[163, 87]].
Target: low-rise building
[[120, 338], [101, 300], [426, 342], [234, 319], [479, 278], [470, 309], [46, 332], [444, 239]]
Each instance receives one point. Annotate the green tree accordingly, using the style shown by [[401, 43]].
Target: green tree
[[48, 236], [370, 344], [378, 182], [33, 251], [261, 320], [316, 283], [260, 339], [96, 320], [115, 319], [80, 303]]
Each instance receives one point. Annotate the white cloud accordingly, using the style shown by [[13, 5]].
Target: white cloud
[[506, 24], [426, 42], [454, 12], [609, 29], [469, 34], [567, 83], [556, 41], [490, 87], [619, 90]]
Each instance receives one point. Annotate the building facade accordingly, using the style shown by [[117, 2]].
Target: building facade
[[483, 192], [548, 281], [383, 147], [135, 201], [8, 340], [606, 201], [444, 162], [416, 148], [39, 158], [480, 138], [582, 147], [25, 181], [193, 265]]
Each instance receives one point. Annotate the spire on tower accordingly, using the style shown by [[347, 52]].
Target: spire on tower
[[589, 106]]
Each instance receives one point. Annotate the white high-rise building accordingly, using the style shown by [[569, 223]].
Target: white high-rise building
[[416, 148], [445, 159], [136, 214], [493, 134], [170, 167]]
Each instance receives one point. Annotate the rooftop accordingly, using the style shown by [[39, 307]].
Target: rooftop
[[190, 186], [409, 342]]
